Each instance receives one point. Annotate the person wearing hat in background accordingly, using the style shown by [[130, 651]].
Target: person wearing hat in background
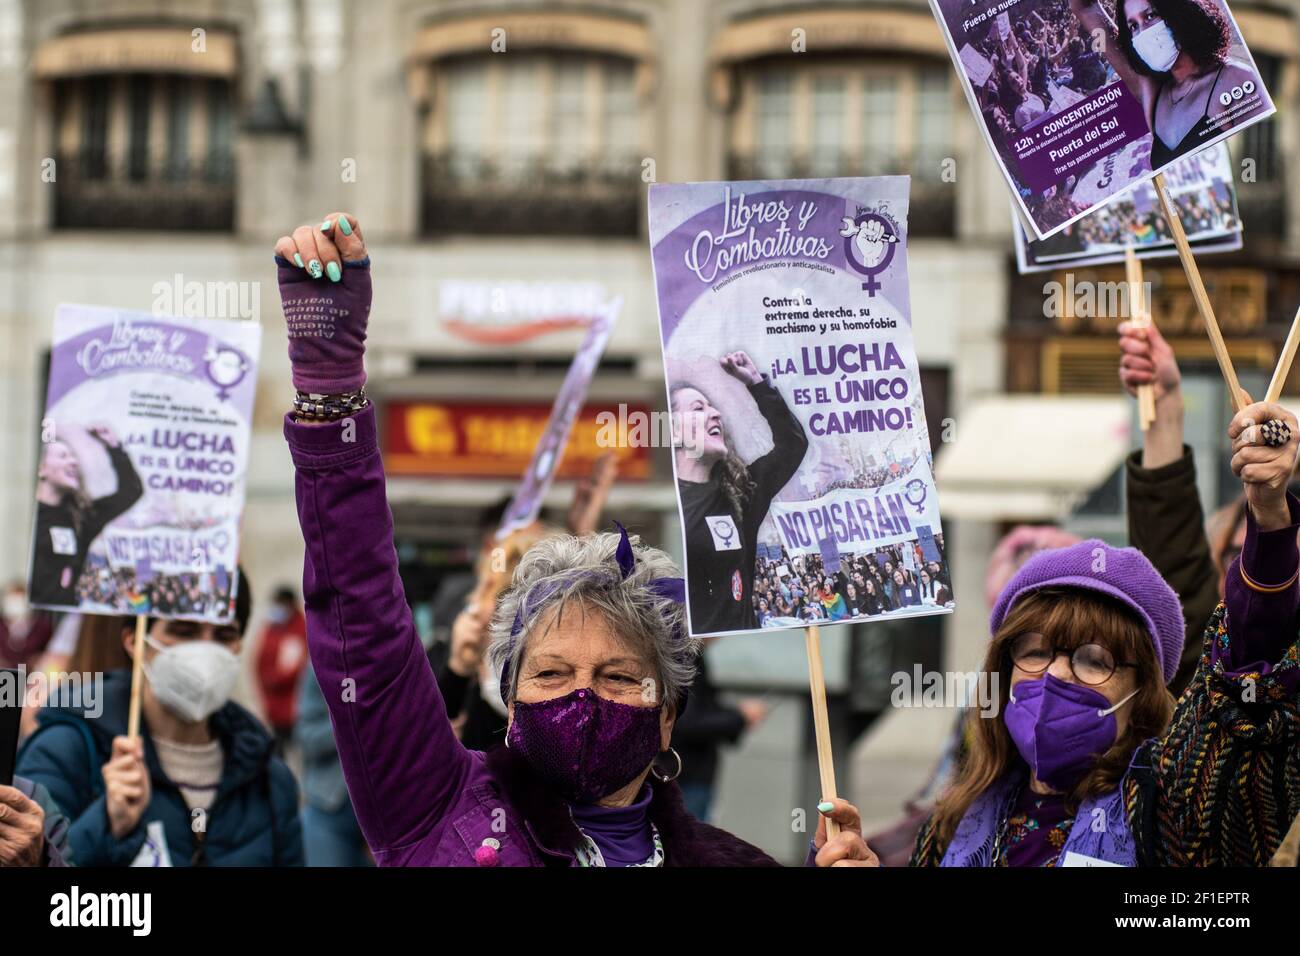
[[200, 786], [894, 843], [1088, 760], [588, 642]]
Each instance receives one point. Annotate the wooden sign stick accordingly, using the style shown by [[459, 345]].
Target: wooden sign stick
[[821, 721], [137, 679], [1198, 292], [1284, 361], [1140, 317]]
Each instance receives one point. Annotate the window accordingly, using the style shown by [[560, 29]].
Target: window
[[775, 128], [1263, 204], [829, 129], [533, 143], [467, 120], [848, 119], [144, 151]]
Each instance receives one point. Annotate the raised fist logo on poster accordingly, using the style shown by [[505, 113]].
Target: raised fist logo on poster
[[870, 240]]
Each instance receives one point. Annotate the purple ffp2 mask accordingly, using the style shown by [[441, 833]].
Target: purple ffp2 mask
[[1060, 728], [584, 745]]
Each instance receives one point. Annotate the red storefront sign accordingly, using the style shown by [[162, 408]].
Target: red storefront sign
[[434, 439]]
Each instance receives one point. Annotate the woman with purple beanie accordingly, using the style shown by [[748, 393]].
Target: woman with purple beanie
[[1085, 759], [588, 638]]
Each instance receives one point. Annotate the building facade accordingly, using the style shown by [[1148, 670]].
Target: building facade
[[497, 155]]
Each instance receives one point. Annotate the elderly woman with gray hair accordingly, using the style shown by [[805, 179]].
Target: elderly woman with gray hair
[[595, 664]]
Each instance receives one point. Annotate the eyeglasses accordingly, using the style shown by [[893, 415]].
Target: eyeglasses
[[1090, 663]]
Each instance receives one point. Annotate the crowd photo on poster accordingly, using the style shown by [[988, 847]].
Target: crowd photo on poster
[[1081, 99]]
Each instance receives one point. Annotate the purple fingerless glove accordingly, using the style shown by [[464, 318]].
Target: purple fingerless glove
[[327, 326]]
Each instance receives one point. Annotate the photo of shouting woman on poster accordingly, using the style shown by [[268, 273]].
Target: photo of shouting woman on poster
[[68, 520], [724, 501], [1173, 55]]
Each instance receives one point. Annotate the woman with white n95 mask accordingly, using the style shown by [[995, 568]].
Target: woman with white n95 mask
[[200, 785]]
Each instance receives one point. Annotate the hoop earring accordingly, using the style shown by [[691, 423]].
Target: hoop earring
[[663, 777]]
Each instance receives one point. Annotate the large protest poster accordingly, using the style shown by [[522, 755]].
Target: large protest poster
[[141, 480], [799, 433], [1086, 98], [527, 501], [1202, 189]]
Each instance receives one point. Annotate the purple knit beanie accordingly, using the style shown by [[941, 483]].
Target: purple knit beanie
[[1123, 573]]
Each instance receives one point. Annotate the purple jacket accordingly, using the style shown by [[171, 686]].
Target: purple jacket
[[421, 798]]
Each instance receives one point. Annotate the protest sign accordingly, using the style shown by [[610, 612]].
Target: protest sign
[[527, 502], [1202, 188], [795, 397], [143, 465], [1086, 99]]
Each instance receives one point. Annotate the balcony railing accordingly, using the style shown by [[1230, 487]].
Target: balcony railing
[[932, 209], [95, 191], [471, 194]]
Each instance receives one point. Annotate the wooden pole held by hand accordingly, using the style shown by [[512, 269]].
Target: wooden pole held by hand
[[137, 679], [1199, 293], [821, 721], [1141, 318], [1284, 361]]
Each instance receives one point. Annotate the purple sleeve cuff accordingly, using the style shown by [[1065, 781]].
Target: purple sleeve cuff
[[332, 443], [1262, 596], [1270, 558]]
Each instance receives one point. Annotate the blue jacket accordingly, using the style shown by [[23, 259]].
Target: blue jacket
[[322, 774], [56, 824], [252, 822]]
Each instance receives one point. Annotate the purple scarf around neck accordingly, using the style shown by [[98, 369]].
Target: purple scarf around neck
[[623, 834], [1100, 831]]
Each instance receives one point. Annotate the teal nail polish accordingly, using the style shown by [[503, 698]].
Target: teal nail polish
[[334, 271], [825, 807], [325, 226], [297, 260], [314, 269], [343, 224]]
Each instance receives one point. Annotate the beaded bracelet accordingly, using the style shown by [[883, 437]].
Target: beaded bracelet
[[329, 408]]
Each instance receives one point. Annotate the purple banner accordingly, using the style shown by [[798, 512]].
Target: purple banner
[[527, 502]]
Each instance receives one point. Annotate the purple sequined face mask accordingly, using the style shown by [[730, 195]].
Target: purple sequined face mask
[[584, 745], [1060, 728]]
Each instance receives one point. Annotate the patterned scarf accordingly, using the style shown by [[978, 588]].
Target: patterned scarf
[[1100, 830]]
